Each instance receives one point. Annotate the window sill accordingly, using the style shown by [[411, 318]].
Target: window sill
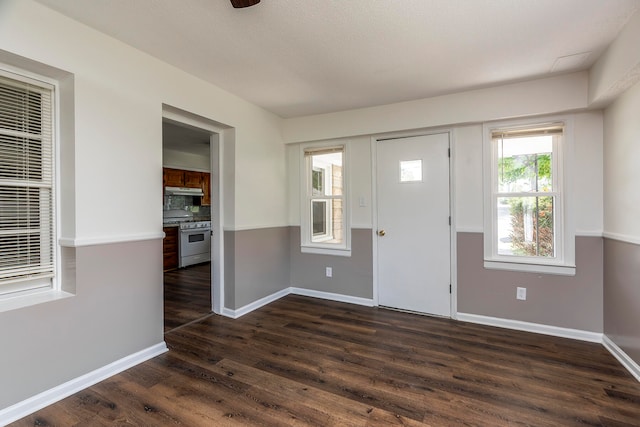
[[325, 251], [562, 270], [14, 302]]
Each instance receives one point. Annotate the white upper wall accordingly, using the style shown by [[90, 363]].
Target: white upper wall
[[586, 193], [537, 97], [358, 171], [622, 167], [119, 93], [467, 155], [618, 68], [188, 161]]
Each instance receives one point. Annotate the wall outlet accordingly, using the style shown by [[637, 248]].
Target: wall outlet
[[329, 271], [521, 294]]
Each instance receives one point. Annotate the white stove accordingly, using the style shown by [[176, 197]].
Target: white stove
[[193, 225], [194, 239]]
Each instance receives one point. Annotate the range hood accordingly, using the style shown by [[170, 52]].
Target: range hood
[[183, 191]]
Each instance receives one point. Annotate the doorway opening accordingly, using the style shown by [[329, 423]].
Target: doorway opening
[[190, 208]]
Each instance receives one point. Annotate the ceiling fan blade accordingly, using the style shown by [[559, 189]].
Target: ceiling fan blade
[[244, 3]]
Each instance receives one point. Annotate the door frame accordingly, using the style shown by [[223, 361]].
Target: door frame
[[452, 205], [216, 150]]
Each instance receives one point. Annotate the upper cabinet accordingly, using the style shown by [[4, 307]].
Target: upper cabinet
[[189, 179], [206, 189], [172, 177], [193, 179], [181, 178]]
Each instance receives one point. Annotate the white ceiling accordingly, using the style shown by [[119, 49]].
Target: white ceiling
[[301, 57]]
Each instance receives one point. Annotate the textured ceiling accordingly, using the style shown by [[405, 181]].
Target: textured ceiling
[[301, 57]]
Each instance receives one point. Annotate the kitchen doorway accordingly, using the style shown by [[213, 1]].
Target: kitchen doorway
[[192, 258]]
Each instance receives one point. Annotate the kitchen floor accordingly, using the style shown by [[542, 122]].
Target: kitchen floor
[[187, 295]]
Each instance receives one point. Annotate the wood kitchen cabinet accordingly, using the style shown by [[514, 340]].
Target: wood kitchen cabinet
[[206, 189], [170, 248], [193, 179], [190, 179], [172, 177]]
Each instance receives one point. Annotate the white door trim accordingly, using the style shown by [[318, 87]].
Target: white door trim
[[452, 205]]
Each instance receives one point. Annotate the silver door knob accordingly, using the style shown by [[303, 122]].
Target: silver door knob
[[381, 233]]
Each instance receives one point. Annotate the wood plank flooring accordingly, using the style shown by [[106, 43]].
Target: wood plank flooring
[[308, 362], [187, 295]]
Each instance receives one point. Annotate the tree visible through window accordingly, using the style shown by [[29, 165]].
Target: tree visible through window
[[524, 166]]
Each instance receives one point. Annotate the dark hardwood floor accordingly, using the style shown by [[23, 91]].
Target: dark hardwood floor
[[303, 361], [187, 295]]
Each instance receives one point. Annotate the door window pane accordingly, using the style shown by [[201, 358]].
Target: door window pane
[[410, 170]]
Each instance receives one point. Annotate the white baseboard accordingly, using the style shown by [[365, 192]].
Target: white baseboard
[[537, 328], [622, 357], [46, 398], [234, 314], [332, 297]]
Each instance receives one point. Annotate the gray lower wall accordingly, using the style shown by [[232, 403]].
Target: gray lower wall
[[117, 311], [352, 276], [259, 263], [622, 296], [229, 269], [565, 301]]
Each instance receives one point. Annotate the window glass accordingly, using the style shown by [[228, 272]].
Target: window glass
[[525, 226], [410, 170], [526, 212], [27, 252], [323, 209], [326, 174], [524, 164]]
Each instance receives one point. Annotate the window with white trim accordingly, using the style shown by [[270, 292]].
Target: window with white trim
[[27, 225], [324, 224], [526, 223]]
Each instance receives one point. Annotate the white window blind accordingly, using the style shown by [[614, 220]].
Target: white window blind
[[26, 185]]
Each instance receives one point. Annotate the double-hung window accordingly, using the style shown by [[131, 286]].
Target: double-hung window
[[526, 222], [27, 250], [324, 225]]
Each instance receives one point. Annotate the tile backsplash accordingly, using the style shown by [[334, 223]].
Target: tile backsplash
[[188, 203]]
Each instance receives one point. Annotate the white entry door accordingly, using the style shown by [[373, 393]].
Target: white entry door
[[413, 236]]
